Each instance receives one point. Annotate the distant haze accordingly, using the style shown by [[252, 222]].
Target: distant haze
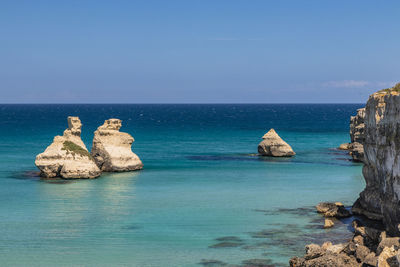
[[191, 51]]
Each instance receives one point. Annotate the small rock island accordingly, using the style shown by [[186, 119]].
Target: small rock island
[[112, 149], [274, 146], [67, 157]]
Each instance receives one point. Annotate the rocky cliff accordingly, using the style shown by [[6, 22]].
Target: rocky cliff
[[67, 157], [381, 196], [112, 149]]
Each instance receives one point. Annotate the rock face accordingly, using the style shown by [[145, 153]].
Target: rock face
[[112, 149], [273, 145], [67, 157], [381, 196]]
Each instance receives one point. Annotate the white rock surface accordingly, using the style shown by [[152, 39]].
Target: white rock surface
[[67, 157], [273, 145], [112, 149]]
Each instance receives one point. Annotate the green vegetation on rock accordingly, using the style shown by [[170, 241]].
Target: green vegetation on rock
[[75, 149], [395, 88]]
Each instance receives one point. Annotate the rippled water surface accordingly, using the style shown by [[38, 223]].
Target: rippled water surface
[[203, 197]]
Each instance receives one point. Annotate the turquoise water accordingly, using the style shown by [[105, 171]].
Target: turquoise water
[[200, 182]]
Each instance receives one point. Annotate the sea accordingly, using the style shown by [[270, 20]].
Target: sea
[[203, 198]]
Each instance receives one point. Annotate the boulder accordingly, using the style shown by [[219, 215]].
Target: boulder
[[328, 223], [336, 210], [112, 150], [67, 157], [273, 145], [344, 146]]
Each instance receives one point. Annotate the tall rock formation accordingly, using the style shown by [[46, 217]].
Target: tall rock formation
[[112, 149], [67, 157], [356, 149], [273, 145], [381, 196]]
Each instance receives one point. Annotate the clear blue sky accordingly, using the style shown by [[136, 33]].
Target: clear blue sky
[[193, 51]]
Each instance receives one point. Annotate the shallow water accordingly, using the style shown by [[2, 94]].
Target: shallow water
[[201, 182]]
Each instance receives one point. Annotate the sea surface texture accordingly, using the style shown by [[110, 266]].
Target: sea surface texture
[[204, 198]]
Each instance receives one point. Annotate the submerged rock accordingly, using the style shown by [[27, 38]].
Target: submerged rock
[[67, 157], [329, 223], [273, 145], [112, 149]]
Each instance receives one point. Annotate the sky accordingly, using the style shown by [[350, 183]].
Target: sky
[[197, 51]]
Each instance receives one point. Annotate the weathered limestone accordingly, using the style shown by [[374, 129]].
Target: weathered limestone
[[67, 157], [273, 145], [381, 196], [357, 126], [112, 149], [368, 247], [380, 200]]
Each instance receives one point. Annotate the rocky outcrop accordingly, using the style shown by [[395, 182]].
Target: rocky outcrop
[[381, 196], [355, 147], [67, 157], [112, 149], [273, 145], [336, 210], [357, 126], [368, 247]]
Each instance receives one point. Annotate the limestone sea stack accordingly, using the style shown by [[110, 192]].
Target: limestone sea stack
[[67, 157], [112, 150], [381, 196], [355, 147], [273, 145]]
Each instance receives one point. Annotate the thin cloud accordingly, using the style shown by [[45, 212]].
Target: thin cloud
[[224, 39], [357, 84], [235, 39], [346, 84]]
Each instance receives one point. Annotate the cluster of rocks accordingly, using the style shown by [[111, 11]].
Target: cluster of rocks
[[368, 247], [332, 211], [357, 129], [273, 145], [67, 157]]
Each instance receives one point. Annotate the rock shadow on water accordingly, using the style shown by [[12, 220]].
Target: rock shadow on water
[[244, 263], [35, 176], [302, 211], [226, 244], [275, 160]]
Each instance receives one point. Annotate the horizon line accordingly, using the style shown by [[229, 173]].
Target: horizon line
[[191, 103]]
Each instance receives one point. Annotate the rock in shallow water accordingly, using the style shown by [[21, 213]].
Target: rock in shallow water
[[67, 157], [273, 145], [112, 149], [336, 210]]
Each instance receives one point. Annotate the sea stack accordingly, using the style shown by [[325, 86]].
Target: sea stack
[[355, 147], [273, 145], [112, 149], [67, 157]]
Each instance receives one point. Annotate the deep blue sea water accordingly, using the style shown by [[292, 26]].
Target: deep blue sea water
[[200, 182]]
